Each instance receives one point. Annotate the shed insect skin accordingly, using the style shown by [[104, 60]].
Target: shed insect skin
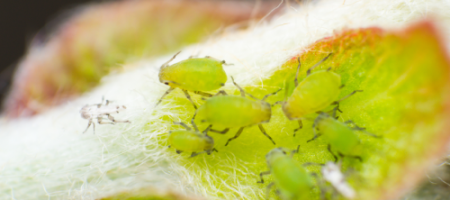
[[197, 75], [98, 111], [191, 140], [236, 111], [290, 177], [331, 173], [316, 92], [340, 136]]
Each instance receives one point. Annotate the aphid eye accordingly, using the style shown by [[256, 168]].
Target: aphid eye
[[222, 84], [167, 83]]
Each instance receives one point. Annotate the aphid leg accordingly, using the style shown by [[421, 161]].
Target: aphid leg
[[115, 120], [100, 121], [296, 150], [214, 149], [317, 64], [312, 163], [89, 124], [189, 98], [178, 151], [268, 95], [194, 154], [164, 95], [334, 156], [205, 132], [355, 157], [238, 133], [101, 103], [221, 132], [263, 174], [315, 136], [167, 63], [278, 102], [268, 188], [336, 109], [300, 126], [203, 94], [221, 92], [344, 98], [264, 132], [318, 118], [183, 125], [296, 74]]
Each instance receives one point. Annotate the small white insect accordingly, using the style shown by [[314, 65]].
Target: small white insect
[[99, 111], [332, 173]]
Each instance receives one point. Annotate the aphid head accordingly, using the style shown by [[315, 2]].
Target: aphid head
[[274, 154], [85, 112]]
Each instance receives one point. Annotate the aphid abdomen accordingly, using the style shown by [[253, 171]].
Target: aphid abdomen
[[290, 176], [195, 74], [314, 93], [341, 137], [188, 141], [234, 111]]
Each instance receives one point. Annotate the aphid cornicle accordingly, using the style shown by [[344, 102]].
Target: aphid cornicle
[[235, 111], [289, 176], [316, 92], [197, 75], [191, 140], [341, 137]]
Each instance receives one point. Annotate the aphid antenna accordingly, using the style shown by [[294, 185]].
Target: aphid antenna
[[361, 129], [205, 132], [183, 125], [167, 63], [317, 64], [242, 91], [271, 94]]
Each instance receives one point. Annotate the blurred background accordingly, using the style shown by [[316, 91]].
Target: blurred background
[[20, 21]]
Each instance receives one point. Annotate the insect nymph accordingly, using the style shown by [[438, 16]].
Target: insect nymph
[[235, 111], [316, 92], [191, 140], [99, 111], [290, 177], [197, 75], [339, 135]]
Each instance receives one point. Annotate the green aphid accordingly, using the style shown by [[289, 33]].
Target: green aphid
[[289, 176], [314, 93], [235, 111], [197, 75], [191, 140], [339, 135]]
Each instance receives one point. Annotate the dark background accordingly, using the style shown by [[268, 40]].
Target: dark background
[[20, 20]]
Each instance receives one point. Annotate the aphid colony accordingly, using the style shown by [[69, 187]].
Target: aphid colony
[[291, 179]]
